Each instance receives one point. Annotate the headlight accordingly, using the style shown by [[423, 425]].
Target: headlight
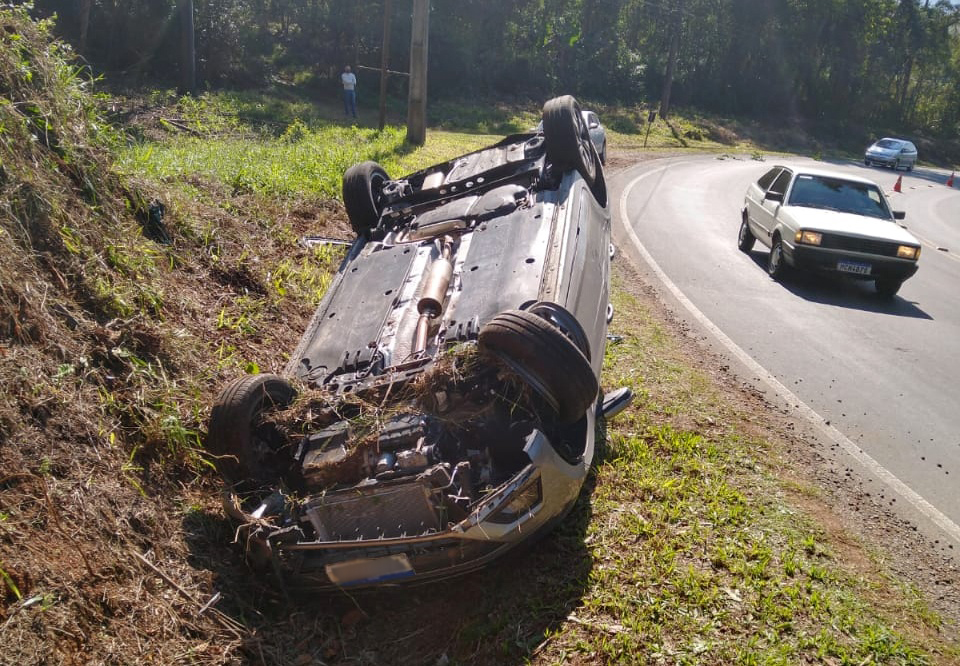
[[908, 252], [808, 237]]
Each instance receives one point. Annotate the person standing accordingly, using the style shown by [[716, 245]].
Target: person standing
[[349, 81]]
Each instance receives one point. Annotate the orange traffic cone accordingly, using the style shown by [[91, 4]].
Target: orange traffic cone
[[896, 186], [950, 180]]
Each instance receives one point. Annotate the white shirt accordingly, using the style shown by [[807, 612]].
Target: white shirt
[[349, 80]]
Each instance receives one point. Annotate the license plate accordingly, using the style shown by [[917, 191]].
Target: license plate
[[375, 570], [853, 267]]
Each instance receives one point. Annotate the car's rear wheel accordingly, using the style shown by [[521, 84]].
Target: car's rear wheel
[[887, 287], [362, 184], [568, 140], [544, 358], [745, 239], [776, 264], [244, 446]]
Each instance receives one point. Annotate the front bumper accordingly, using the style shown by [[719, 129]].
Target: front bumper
[[885, 160], [826, 260], [459, 548]]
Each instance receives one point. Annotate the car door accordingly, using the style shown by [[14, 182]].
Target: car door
[[764, 201], [909, 154], [596, 130]]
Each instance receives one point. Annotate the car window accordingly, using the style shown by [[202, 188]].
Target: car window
[[889, 144], [780, 184], [838, 194], [911, 148], [767, 178]]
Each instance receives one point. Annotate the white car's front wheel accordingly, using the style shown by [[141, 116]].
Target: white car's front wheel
[[776, 264]]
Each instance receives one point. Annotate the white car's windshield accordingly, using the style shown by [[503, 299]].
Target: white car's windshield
[[837, 194]]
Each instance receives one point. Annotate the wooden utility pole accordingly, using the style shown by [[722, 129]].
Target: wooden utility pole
[[188, 56], [417, 102], [671, 59], [385, 61]]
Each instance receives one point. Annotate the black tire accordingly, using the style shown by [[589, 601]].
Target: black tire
[[745, 239], [776, 263], [568, 140], [866, 162], [242, 444], [910, 168], [562, 319], [362, 184], [545, 359], [887, 287]]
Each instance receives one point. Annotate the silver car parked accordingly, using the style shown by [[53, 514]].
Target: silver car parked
[[896, 153]]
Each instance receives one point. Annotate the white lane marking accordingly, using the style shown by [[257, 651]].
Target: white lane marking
[[817, 421]]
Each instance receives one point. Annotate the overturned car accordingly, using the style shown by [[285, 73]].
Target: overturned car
[[447, 398]]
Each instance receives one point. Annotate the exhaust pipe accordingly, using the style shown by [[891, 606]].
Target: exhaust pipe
[[430, 305]]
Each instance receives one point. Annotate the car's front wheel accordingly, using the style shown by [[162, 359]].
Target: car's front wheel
[[544, 358], [745, 239], [362, 185], [776, 263], [569, 145], [245, 447], [887, 287]]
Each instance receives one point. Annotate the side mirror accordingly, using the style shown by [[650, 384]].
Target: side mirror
[[593, 124], [899, 214], [774, 196]]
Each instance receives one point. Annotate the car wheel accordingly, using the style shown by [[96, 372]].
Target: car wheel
[[910, 167], [362, 184], [563, 320], [887, 287], [543, 358], [568, 141], [866, 162], [603, 155], [896, 165], [776, 264], [244, 446], [745, 239]]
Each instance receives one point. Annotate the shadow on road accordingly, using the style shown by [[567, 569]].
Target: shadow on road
[[842, 292]]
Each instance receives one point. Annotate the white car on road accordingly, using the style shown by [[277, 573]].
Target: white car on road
[[827, 221]]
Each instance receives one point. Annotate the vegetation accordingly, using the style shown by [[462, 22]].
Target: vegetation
[[857, 67], [118, 325]]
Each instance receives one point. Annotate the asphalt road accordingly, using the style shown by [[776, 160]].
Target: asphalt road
[[882, 373]]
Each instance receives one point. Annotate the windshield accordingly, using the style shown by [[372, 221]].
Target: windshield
[[889, 144], [846, 196]]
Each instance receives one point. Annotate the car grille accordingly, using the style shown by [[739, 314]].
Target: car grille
[[865, 245]]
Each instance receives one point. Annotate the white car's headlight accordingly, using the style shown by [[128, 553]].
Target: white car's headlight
[[908, 252], [809, 237]]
